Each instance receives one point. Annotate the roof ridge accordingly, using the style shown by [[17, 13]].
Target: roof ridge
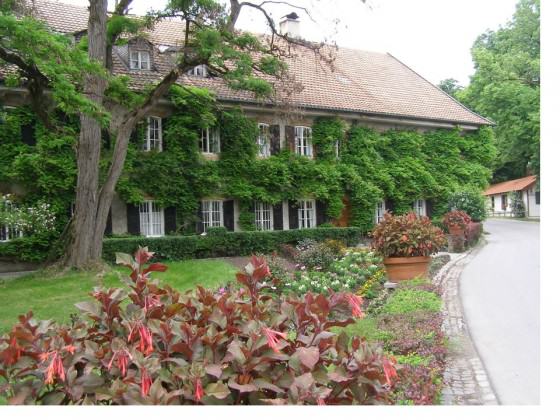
[[441, 90]]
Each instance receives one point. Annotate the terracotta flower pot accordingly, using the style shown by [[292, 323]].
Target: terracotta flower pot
[[406, 268], [456, 230]]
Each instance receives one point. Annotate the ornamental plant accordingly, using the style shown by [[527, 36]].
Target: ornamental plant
[[407, 236], [457, 218], [150, 344], [471, 201]]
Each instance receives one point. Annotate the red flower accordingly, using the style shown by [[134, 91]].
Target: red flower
[[355, 303], [55, 367], [272, 338], [123, 359], [145, 382], [389, 369], [199, 391], [145, 334]]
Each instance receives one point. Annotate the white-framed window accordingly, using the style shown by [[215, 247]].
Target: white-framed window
[[306, 214], [419, 207], [212, 214], [304, 138], [7, 232], [210, 140], [151, 219], [153, 134], [380, 211], [263, 216], [199, 71], [337, 149], [140, 60], [263, 140]]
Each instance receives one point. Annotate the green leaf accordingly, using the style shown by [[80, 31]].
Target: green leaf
[[217, 390]]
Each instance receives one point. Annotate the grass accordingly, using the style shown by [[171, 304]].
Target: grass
[[409, 300], [53, 296], [365, 327]]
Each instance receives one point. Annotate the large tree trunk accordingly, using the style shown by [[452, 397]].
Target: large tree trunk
[[81, 251]]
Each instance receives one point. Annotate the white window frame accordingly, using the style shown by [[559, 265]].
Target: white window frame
[[264, 216], [7, 233], [198, 71], [212, 214], [154, 137], [306, 214], [152, 219], [263, 140], [137, 58], [210, 137], [304, 141], [380, 210], [337, 149], [419, 207]]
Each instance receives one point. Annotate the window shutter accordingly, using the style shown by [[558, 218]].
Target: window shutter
[[389, 206], [290, 137], [199, 224], [28, 134], [429, 208], [163, 125], [133, 219], [321, 212], [274, 139], [170, 219], [278, 215], [293, 214], [229, 222], [109, 225]]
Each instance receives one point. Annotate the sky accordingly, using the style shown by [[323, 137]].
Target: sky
[[433, 37]]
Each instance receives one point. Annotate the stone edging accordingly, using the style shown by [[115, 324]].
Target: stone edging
[[465, 379]]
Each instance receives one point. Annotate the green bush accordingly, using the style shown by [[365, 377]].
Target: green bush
[[470, 201], [410, 300], [229, 244]]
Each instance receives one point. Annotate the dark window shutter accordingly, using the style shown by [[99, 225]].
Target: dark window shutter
[[389, 206], [274, 139], [537, 198], [278, 215], [290, 137], [170, 220], [293, 214], [429, 208], [109, 225], [321, 212], [229, 221], [28, 134], [163, 140], [133, 219], [199, 224]]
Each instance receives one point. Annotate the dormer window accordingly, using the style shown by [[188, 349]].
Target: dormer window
[[198, 71], [140, 60]]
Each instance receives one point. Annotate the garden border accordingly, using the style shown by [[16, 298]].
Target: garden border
[[466, 381]]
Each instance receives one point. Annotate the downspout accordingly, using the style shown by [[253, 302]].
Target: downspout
[[528, 204]]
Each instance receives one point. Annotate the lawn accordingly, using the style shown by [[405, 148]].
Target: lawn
[[53, 296]]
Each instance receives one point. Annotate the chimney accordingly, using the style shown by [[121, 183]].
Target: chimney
[[289, 25]]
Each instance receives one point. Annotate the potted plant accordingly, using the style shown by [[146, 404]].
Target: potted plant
[[456, 222], [406, 244]]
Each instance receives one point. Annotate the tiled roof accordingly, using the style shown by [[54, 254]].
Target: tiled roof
[[361, 81], [513, 185]]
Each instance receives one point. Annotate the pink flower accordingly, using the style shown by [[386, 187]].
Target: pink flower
[[55, 367], [123, 359], [355, 303], [272, 338], [389, 369], [145, 382], [146, 346], [199, 391]]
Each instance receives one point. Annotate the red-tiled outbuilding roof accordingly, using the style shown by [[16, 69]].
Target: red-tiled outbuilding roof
[[513, 185]]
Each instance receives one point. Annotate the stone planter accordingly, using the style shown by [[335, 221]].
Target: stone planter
[[456, 230], [406, 268]]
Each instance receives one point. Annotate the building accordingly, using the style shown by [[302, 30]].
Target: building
[[374, 89], [500, 196]]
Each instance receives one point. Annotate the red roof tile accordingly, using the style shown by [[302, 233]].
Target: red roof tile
[[513, 185]]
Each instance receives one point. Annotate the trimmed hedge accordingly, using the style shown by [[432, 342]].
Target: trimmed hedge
[[227, 244]]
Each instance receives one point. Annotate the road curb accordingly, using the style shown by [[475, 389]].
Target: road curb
[[466, 381]]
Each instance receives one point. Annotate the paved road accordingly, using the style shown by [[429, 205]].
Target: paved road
[[500, 296]]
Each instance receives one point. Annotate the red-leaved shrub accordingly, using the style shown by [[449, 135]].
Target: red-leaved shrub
[[201, 347]]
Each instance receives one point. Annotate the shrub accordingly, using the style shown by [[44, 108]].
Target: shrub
[[314, 255], [456, 218], [406, 236], [227, 245], [237, 346], [216, 231], [470, 201], [410, 300], [517, 204]]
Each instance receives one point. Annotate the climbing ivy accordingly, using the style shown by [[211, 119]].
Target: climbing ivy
[[396, 165]]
